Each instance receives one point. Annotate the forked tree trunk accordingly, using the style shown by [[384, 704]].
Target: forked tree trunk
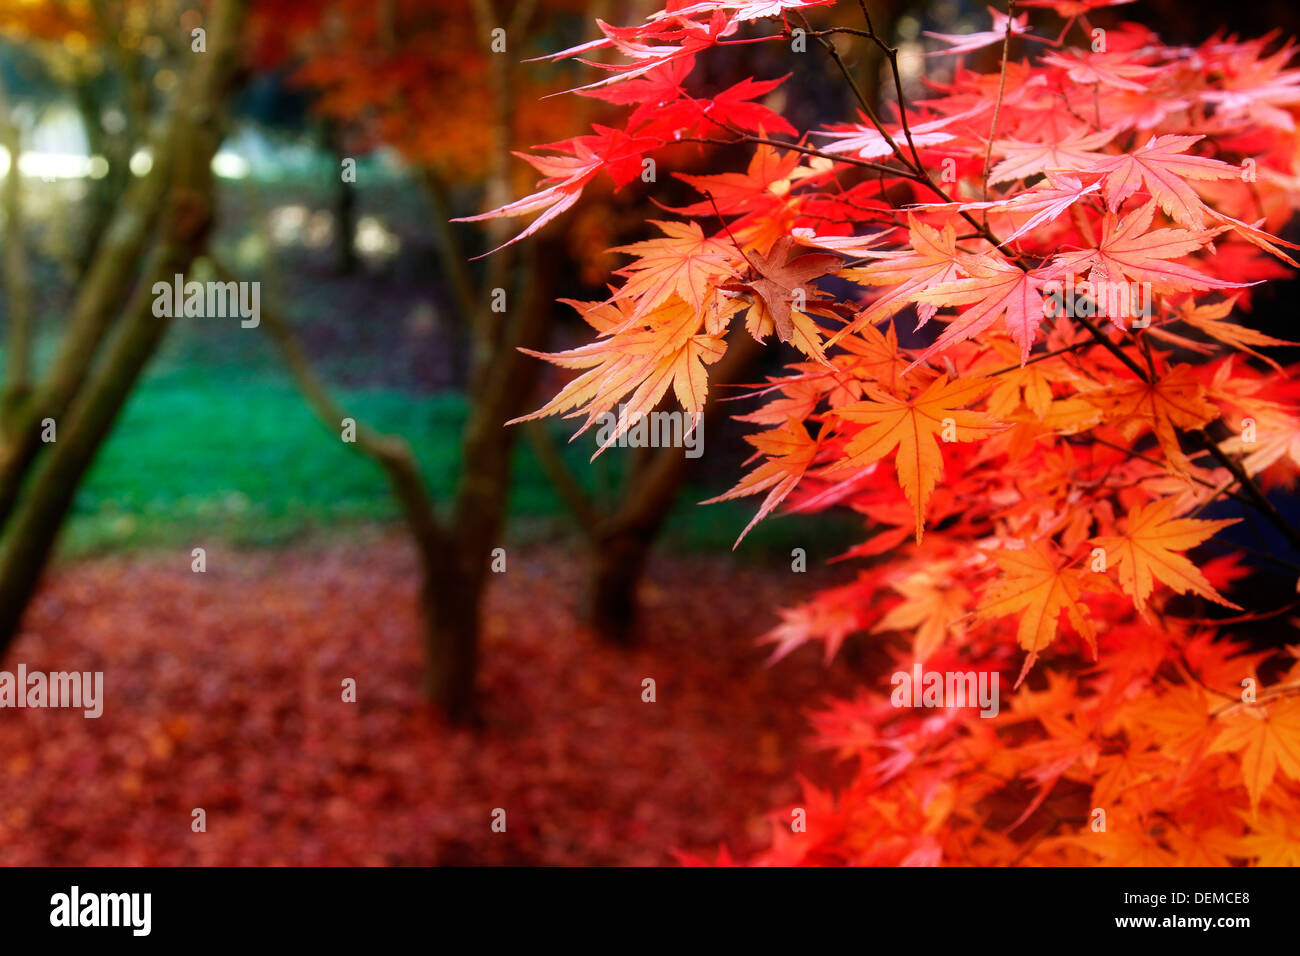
[[456, 551]]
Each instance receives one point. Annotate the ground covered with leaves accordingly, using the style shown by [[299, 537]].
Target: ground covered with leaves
[[223, 692]]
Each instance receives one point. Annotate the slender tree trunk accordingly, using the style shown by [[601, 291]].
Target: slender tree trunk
[[345, 205], [17, 278], [106, 192], [455, 554], [35, 518], [452, 596]]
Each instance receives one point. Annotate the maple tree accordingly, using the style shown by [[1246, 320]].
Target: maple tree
[[1086, 224]]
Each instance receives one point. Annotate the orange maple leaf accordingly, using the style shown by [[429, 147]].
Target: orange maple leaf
[[913, 427], [1175, 400], [1039, 587], [1148, 552], [932, 259], [1267, 739], [789, 450], [683, 261]]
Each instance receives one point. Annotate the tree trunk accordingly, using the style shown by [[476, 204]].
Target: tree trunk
[[345, 206], [621, 545], [618, 562], [35, 517], [503, 382], [104, 193], [451, 599], [17, 278]]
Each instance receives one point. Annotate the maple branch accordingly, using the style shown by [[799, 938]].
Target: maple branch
[[739, 248], [806, 150], [891, 53], [867, 108], [997, 104], [1252, 490], [1043, 356], [1133, 453], [1255, 552], [453, 257]]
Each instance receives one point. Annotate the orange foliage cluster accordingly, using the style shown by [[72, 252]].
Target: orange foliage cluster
[[1033, 477]]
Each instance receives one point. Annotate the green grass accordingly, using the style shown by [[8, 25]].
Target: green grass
[[233, 454]]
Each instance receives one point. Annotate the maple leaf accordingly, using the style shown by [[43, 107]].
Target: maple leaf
[[767, 179], [1021, 159], [1275, 840], [1257, 237], [684, 262], [1267, 739], [610, 150], [1180, 716], [932, 259], [969, 42], [1209, 319], [912, 426], [653, 45], [732, 108], [742, 10], [1110, 69], [1148, 552], [1045, 202], [782, 283], [789, 450], [1038, 587], [1130, 249], [999, 289], [932, 605], [658, 87], [664, 350], [1279, 437], [1163, 168], [866, 142], [1029, 384], [1173, 401]]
